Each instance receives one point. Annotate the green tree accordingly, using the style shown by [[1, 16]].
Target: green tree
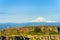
[[37, 30]]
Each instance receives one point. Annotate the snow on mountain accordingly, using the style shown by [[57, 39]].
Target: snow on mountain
[[41, 19], [36, 22]]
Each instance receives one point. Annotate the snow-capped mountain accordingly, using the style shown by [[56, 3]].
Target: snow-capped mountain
[[41, 19], [36, 22]]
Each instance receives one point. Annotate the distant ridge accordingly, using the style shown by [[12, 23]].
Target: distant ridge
[[13, 25]]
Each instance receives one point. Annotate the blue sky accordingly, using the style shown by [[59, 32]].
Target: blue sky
[[26, 10]]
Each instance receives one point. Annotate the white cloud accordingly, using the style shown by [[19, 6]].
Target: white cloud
[[51, 21], [41, 19]]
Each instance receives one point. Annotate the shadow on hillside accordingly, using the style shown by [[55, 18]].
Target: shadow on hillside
[[14, 38], [58, 29]]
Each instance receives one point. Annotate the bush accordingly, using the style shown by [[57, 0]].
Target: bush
[[37, 30]]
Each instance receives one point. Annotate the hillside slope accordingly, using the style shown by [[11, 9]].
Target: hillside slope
[[33, 30]]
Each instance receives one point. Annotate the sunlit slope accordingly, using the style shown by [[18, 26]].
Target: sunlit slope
[[31, 30]]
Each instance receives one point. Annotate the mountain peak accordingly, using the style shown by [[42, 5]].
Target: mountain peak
[[41, 19]]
